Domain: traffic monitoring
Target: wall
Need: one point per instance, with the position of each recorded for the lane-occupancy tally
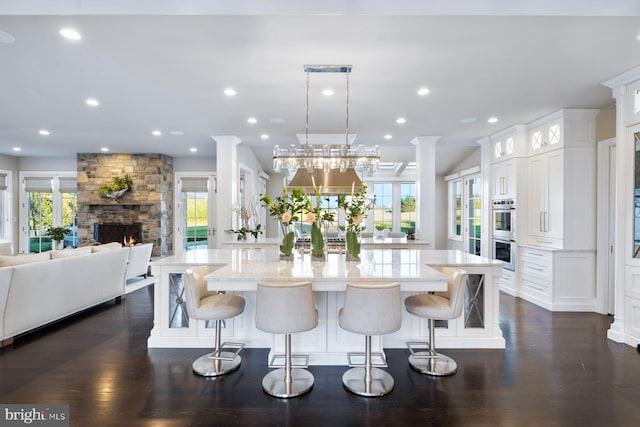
(11, 163)
(441, 214)
(150, 201)
(606, 123)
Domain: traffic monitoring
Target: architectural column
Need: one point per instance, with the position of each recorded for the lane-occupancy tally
(616, 332)
(426, 187)
(486, 155)
(227, 176)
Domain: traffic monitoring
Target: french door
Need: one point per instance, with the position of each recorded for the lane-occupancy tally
(195, 217)
(473, 214)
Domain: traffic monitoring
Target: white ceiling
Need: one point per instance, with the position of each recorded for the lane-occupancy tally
(169, 71)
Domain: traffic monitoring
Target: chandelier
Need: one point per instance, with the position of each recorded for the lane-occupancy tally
(333, 166)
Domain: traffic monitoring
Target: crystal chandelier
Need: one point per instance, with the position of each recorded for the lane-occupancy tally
(327, 162)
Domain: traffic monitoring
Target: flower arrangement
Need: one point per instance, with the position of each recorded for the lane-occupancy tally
(118, 183)
(317, 216)
(247, 215)
(355, 208)
(287, 208)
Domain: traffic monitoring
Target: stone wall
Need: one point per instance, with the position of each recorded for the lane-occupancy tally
(150, 202)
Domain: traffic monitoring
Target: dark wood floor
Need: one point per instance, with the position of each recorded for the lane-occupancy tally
(558, 370)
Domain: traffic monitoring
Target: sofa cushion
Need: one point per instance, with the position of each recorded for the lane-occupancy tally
(70, 252)
(23, 259)
(106, 247)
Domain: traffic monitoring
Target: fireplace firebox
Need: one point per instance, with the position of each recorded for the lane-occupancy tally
(121, 233)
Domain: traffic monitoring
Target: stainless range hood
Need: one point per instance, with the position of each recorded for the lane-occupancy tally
(332, 182)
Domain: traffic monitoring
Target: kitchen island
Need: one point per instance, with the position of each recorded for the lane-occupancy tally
(239, 270)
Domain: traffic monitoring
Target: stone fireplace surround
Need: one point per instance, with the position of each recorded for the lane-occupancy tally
(150, 202)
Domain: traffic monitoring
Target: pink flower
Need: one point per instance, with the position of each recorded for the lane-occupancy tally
(357, 219)
(286, 217)
(311, 217)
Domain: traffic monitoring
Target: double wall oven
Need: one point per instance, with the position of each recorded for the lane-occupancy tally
(504, 236)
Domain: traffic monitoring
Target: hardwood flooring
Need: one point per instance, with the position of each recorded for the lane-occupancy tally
(558, 370)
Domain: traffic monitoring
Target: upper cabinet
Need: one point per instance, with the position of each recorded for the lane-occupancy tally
(561, 179)
(509, 143)
(504, 179)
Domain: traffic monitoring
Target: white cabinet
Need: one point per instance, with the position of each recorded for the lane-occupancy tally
(561, 182)
(504, 179)
(558, 280)
(546, 193)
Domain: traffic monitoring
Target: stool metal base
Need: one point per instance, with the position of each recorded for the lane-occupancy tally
(274, 384)
(206, 366)
(381, 382)
(439, 366)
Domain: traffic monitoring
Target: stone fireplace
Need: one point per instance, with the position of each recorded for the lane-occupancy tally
(149, 204)
(127, 234)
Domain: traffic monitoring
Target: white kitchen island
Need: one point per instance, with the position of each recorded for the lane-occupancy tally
(239, 270)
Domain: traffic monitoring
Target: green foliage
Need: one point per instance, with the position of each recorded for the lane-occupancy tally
(317, 241)
(355, 208)
(408, 204)
(117, 183)
(288, 207)
(380, 226)
(58, 233)
(242, 232)
(353, 245)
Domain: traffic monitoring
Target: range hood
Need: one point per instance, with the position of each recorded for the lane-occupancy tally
(332, 182)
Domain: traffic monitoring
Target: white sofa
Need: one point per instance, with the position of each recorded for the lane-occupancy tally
(139, 258)
(33, 294)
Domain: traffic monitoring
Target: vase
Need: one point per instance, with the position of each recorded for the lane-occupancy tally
(288, 241)
(353, 246)
(317, 243)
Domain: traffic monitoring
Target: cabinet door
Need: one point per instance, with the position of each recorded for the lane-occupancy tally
(504, 180)
(537, 194)
(554, 216)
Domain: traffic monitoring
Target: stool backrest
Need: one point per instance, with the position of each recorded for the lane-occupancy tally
(195, 287)
(456, 287)
(371, 308)
(285, 308)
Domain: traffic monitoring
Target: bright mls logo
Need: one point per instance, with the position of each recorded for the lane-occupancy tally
(37, 415)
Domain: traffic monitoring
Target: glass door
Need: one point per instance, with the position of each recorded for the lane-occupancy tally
(195, 213)
(473, 229)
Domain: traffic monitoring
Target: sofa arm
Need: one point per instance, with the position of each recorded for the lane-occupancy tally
(139, 258)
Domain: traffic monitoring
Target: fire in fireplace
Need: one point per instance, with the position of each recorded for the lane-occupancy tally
(127, 234)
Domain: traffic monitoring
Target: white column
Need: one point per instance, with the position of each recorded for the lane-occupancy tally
(426, 187)
(227, 175)
(486, 155)
(616, 332)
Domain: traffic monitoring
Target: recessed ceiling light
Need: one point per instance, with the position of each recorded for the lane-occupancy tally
(92, 102)
(193, 149)
(276, 120)
(44, 132)
(468, 120)
(327, 92)
(388, 136)
(104, 149)
(423, 91)
(401, 120)
(176, 132)
(17, 149)
(70, 34)
(264, 136)
(229, 92)
(252, 120)
(492, 120)
(156, 132)
(6, 38)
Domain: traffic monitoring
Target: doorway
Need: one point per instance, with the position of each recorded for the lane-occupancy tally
(195, 212)
(605, 211)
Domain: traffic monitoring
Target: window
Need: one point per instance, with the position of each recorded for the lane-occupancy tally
(195, 202)
(383, 206)
(47, 201)
(407, 207)
(455, 210)
(5, 203)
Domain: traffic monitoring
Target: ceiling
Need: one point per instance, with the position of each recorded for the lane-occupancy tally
(168, 72)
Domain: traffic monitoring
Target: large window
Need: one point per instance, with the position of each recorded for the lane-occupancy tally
(49, 201)
(394, 206)
(455, 210)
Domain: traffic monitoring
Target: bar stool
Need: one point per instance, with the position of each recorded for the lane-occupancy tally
(210, 305)
(370, 309)
(286, 308)
(438, 306)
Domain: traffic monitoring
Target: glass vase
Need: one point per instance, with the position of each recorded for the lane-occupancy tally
(288, 241)
(353, 246)
(317, 243)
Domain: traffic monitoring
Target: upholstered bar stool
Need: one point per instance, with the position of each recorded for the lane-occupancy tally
(437, 306)
(370, 309)
(286, 308)
(210, 305)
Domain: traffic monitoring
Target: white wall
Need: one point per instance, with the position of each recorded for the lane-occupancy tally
(194, 164)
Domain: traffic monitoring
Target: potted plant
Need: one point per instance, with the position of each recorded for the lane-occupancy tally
(57, 235)
(118, 186)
